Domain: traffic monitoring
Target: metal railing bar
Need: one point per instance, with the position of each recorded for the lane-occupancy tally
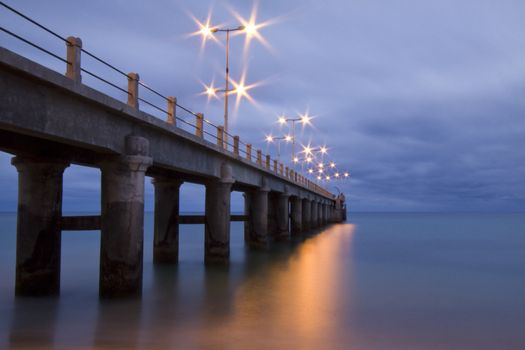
(186, 109)
(32, 21)
(103, 62)
(152, 105)
(150, 89)
(104, 80)
(186, 122)
(34, 45)
(210, 134)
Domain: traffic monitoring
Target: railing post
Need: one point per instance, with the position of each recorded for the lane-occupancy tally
(259, 157)
(133, 90)
(172, 106)
(220, 136)
(275, 167)
(199, 131)
(287, 173)
(268, 161)
(249, 152)
(236, 145)
(281, 166)
(74, 49)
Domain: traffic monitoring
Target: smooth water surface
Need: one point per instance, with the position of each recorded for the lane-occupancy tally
(381, 281)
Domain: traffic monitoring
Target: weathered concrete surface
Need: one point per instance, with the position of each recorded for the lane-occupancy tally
(122, 234)
(217, 211)
(43, 105)
(283, 217)
(166, 225)
(38, 225)
(296, 216)
(306, 213)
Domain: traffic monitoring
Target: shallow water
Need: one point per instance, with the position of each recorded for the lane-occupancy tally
(381, 281)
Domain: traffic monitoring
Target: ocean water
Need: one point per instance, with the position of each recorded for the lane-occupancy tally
(380, 281)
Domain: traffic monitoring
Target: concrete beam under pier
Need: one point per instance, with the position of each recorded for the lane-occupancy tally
(80, 223)
(201, 219)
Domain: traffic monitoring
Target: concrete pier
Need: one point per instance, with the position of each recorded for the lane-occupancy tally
(217, 222)
(122, 233)
(306, 213)
(256, 234)
(283, 216)
(38, 240)
(296, 216)
(45, 112)
(166, 226)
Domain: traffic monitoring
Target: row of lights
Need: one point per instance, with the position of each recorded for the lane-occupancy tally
(250, 29)
(310, 155)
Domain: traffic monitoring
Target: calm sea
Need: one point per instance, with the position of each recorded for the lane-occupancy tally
(381, 281)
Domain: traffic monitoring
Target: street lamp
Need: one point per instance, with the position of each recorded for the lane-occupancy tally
(226, 90)
(305, 120)
(271, 139)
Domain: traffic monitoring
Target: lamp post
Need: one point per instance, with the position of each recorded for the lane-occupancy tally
(305, 120)
(226, 90)
(271, 138)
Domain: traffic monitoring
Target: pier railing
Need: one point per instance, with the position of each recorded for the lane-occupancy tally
(173, 112)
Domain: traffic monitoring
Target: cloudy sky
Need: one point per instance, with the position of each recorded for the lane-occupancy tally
(421, 100)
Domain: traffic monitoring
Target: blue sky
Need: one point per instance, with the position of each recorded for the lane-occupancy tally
(422, 101)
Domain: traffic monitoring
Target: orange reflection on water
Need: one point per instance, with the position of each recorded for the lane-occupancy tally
(294, 301)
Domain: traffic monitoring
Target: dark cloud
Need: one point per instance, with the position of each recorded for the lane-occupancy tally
(421, 100)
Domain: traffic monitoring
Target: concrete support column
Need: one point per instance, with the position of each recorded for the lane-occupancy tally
(256, 235)
(307, 214)
(323, 214)
(283, 216)
(313, 213)
(272, 214)
(166, 227)
(217, 221)
(297, 216)
(319, 214)
(38, 238)
(122, 233)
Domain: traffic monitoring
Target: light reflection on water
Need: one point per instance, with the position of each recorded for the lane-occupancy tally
(383, 282)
